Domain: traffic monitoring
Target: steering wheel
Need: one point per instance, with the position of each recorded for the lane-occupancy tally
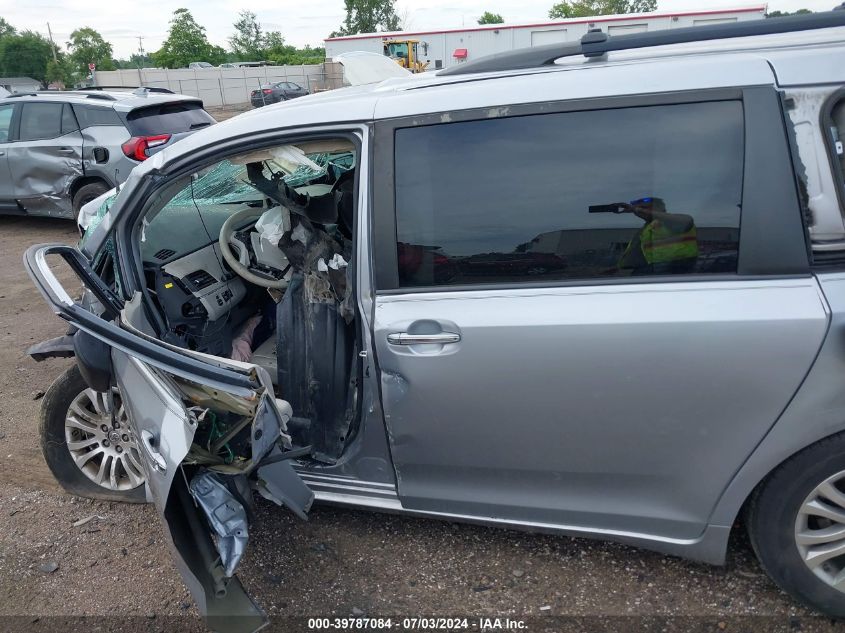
(244, 272)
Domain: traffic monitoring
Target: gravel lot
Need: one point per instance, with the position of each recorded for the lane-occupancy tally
(340, 562)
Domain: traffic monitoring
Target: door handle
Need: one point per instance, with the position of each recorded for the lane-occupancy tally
(148, 444)
(406, 338)
(65, 150)
(2, 153)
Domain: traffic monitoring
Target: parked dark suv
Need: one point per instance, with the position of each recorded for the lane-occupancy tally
(60, 150)
(273, 93)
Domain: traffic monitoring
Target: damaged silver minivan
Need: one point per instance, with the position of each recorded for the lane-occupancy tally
(595, 288)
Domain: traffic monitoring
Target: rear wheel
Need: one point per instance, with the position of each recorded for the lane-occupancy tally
(90, 454)
(86, 194)
(797, 526)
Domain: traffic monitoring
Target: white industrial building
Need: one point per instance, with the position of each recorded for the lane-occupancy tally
(448, 47)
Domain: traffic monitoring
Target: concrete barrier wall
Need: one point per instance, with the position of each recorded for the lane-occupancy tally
(225, 86)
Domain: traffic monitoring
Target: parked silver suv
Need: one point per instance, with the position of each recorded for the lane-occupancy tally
(595, 288)
(60, 150)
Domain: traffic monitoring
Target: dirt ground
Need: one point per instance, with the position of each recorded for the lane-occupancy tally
(340, 563)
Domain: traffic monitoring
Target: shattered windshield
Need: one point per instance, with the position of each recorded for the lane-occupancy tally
(193, 216)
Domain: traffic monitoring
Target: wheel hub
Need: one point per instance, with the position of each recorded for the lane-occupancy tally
(100, 443)
(820, 531)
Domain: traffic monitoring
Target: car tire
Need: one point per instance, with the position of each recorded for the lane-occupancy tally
(68, 390)
(86, 194)
(783, 522)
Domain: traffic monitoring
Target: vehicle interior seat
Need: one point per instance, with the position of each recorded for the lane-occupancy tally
(265, 356)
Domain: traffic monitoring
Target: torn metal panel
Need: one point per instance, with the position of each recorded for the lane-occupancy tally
(221, 600)
(267, 426)
(225, 514)
(279, 482)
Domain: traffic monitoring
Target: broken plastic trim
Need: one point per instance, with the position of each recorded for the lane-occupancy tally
(225, 514)
(279, 482)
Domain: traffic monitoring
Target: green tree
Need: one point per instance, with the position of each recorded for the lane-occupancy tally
(6, 28)
(369, 16)
(87, 46)
(25, 55)
(248, 42)
(186, 42)
(276, 51)
(589, 8)
(135, 61)
(61, 71)
(217, 55)
(491, 18)
(783, 14)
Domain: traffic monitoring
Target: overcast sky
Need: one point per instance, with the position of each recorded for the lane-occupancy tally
(300, 21)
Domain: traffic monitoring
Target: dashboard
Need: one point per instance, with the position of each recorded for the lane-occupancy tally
(202, 273)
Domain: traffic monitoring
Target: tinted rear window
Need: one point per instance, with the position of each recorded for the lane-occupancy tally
(168, 118)
(580, 195)
(89, 116)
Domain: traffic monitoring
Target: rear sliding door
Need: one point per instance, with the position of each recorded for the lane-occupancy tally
(551, 357)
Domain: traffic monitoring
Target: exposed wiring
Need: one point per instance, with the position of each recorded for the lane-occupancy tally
(215, 434)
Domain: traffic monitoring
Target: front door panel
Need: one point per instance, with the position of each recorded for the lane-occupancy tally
(46, 158)
(169, 395)
(616, 407)
(163, 428)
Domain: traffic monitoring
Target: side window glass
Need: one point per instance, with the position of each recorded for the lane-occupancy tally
(68, 120)
(5, 121)
(580, 195)
(89, 116)
(40, 121)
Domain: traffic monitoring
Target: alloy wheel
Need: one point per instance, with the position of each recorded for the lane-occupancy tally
(820, 531)
(104, 450)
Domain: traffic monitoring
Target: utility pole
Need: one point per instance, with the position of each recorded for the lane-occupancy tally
(52, 43)
(140, 59)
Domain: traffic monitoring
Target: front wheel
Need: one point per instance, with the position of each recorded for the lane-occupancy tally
(796, 522)
(90, 452)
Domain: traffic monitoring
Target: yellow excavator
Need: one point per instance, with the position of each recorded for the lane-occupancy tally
(405, 53)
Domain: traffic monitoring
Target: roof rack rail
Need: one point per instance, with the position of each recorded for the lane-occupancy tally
(596, 43)
(134, 89)
(48, 93)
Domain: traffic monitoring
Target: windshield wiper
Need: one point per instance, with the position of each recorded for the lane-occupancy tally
(196, 126)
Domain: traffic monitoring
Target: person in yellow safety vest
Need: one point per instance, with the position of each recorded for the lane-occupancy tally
(667, 243)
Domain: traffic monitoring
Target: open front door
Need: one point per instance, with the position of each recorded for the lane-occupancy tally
(209, 431)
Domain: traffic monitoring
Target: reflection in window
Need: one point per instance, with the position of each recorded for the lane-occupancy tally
(608, 193)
